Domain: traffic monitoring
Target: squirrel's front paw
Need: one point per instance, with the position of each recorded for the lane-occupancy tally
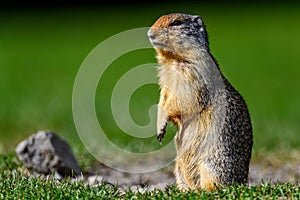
(162, 132)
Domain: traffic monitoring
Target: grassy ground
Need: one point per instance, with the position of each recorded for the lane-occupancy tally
(14, 185)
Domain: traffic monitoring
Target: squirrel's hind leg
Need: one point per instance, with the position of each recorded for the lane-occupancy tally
(180, 180)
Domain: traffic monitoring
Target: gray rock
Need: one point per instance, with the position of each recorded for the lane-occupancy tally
(46, 153)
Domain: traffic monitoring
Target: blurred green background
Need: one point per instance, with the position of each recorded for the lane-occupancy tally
(41, 50)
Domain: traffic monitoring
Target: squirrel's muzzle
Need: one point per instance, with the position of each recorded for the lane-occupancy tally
(150, 34)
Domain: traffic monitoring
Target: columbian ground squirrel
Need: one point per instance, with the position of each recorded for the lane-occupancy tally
(214, 137)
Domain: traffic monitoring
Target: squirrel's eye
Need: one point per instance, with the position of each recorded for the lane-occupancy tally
(176, 23)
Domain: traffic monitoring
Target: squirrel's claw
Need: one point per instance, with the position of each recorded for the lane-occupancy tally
(160, 136)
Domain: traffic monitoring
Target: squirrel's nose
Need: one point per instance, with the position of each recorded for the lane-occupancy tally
(151, 34)
(152, 37)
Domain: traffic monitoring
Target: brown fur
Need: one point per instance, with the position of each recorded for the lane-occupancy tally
(214, 137)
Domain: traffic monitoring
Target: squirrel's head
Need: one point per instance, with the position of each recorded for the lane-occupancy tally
(179, 35)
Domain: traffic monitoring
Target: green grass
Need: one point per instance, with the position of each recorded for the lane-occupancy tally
(41, 51)
(15, 185)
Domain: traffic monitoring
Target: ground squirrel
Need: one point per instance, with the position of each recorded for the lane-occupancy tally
(214, 137)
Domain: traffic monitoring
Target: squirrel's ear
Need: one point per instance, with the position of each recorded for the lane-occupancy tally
(198, 23)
